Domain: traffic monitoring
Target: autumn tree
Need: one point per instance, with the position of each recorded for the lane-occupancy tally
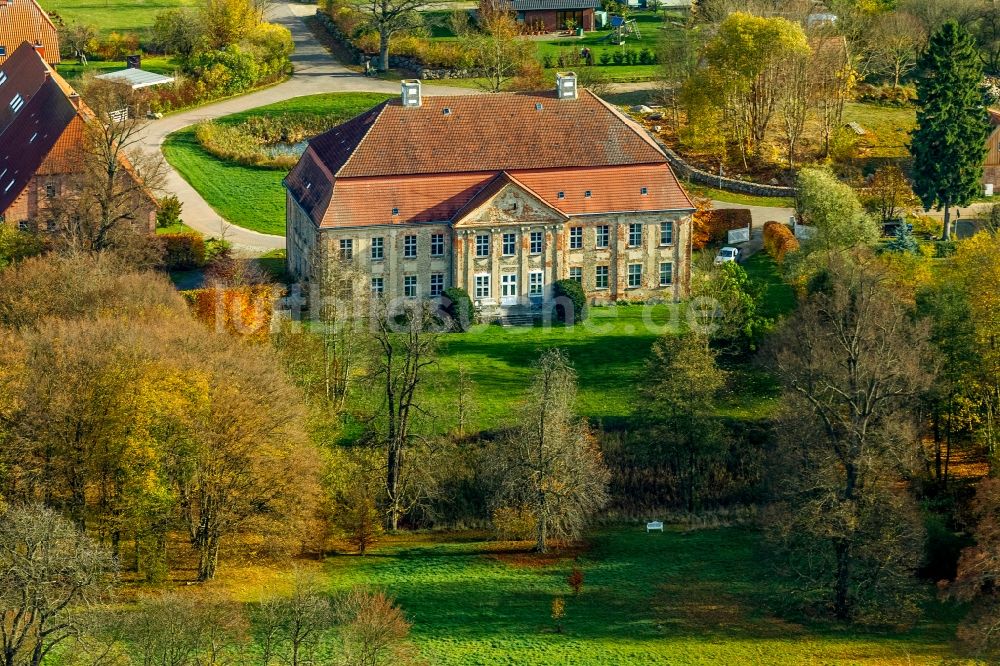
(226, 22)
(683, 384)
(497, 52)
(373, 630)
(549, 462)
(844, 522)
(743, 73)
(388, 17)
(49, 571)
(949, 142)
(888, 194)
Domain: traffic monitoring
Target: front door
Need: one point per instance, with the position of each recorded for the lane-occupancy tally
(508, 289)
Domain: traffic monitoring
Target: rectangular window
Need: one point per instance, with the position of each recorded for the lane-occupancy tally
(50, 191)
(50, 225)
(378, 248)
(16, 103)
(509, 245)
(23, 225)
(483, 286)
(575, 238)
(535, 242)
(634, 234)
(535, 281)
(410, 286)
(437, 245)
(602, 233)
(634, 275)
(346, 248)
(666, 274)
(409, 247)
(482, 245)
(437, 284)
(666, 233)
(378, 286)
(576, 274)
(600, 277)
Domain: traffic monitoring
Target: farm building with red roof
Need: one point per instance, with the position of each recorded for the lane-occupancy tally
(501, 195)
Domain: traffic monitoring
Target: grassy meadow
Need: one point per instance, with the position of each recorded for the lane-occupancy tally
(114, 15)
(253, 197)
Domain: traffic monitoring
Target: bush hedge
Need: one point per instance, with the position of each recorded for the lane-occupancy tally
(183, 252)
(779, 240)
(571, 302)
(456, 303)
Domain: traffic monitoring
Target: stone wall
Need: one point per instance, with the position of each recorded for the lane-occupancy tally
(408, 63)
(685, 171)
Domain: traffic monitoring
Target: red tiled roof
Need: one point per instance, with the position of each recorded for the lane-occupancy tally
(494, 187)
(428, 165)
(994, 117)
(484, 133)
(25, 21)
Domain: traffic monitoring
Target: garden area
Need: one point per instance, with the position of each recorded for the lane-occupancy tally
(121, 16)
(253, 196)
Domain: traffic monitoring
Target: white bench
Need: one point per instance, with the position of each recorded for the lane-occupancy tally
(655, 525)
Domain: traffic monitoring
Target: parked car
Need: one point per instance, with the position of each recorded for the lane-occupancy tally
(727, 254)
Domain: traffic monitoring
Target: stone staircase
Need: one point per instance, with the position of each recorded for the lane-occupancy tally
(519, 318)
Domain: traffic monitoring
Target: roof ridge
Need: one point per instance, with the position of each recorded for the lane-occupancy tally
(381, 109)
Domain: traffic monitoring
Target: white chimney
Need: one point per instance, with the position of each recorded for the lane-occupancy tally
(411, 92)
(566, 85)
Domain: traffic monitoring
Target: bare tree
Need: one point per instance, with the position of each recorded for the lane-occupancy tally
(497, 52)
(292, 626)
(405, 342)
(373, 630)
(387, 17)
(111, 196)
(48, 571)
(852, 363)
(550, 462)
(795, 99)
(897, 41)
(831, 77)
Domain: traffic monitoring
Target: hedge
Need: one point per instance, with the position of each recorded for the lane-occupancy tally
(571, 302)
(456, 303)
(714, 224)
(182, 252)
(779, 240)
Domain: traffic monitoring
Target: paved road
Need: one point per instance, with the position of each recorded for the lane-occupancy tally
(315, 71)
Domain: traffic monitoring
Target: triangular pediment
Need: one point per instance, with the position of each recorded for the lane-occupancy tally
(505, 201)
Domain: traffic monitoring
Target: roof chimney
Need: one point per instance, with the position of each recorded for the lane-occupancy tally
(38, 47)
(74, 99)
(566, 85)
(411, 92)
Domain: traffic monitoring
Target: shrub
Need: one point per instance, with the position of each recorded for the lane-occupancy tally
(604, 58)
(645, 57)
(717, 222)
(216, 248)
(513, 523)
(618, 57)
(183, 252)
(779, 240)
(571, 302)
(885, 94)
(169, 212)
(456, 303)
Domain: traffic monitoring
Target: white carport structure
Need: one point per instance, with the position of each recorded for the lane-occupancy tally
(138, 78)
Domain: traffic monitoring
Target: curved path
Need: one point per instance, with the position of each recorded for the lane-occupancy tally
(315, 71)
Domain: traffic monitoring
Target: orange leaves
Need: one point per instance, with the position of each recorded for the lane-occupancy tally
(244, 312)
(779, 240)
(710, 225)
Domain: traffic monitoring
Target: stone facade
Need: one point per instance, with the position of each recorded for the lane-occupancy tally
(508, 253)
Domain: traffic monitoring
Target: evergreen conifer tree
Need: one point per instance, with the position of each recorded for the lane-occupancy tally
(949, 144)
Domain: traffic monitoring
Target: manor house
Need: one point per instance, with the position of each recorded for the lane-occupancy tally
(501, 195)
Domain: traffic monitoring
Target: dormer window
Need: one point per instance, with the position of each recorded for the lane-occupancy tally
(446, 111)
(3, 51)
(16, 103)
(3, 77)
(538, 106)
(587, 194)
(561, 195)
(395, 211)
(644, 191)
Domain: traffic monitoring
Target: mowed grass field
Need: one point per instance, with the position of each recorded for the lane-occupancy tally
(253, 197)
(114, 15)
(681, 597)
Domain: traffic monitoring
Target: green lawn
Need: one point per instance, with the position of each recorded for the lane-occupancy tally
(702, 597)
(247, 196)
(737, 198)
(888, 128)
(114, 15)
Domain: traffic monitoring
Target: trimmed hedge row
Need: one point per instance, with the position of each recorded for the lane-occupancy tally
(779, 240)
